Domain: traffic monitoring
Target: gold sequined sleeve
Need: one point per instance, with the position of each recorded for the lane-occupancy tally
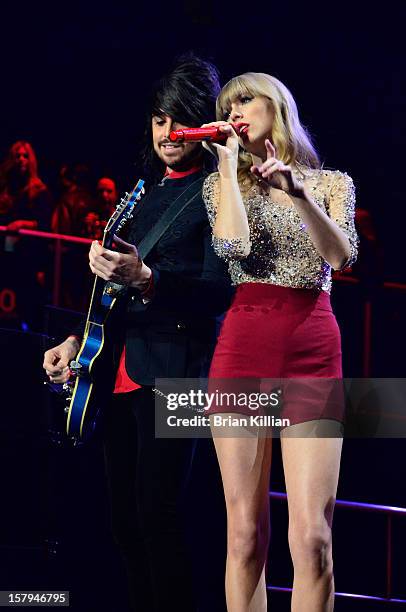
(229, 249)
(341, 208)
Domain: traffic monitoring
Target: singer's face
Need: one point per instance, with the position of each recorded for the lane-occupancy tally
(176, 156)
(257, 111)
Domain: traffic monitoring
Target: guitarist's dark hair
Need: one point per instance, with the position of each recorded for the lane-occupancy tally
(187, 94)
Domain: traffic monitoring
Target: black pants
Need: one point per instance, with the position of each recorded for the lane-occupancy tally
(147, 478)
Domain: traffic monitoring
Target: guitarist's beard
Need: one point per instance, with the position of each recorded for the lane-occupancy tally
(191, 158)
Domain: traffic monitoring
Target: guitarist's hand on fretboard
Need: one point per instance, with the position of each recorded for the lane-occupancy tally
(57, 359)
(122, 266)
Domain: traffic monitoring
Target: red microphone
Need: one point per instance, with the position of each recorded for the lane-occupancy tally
(211, 133)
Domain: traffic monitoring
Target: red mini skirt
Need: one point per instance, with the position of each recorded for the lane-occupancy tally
(285, 334)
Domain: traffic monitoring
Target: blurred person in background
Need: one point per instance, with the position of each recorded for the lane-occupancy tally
(74, 202)
(25, 201)
(25, 204)
(103, 207)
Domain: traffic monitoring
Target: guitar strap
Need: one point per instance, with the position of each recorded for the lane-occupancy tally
(170, 215)
(111, 290)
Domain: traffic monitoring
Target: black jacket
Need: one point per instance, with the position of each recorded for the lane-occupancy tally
(174, 334)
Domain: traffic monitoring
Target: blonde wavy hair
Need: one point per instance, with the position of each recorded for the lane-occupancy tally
(33, 183)
(290, 138)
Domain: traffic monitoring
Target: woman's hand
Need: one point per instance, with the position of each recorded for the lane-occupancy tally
(277, 174)
(227, 154)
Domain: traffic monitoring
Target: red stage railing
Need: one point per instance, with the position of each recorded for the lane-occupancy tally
(58, 240)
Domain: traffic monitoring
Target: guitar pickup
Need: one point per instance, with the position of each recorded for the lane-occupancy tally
(76, 368)
(112, 289)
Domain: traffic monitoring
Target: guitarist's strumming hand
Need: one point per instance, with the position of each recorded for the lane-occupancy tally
(122, 266)
(57, 359)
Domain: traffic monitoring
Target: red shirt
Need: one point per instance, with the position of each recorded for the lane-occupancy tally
(124, 384)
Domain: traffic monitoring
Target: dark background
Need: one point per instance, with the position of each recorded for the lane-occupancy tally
(74, 78)
(75, 74)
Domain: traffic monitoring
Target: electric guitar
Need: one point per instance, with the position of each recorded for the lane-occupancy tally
(92, 367)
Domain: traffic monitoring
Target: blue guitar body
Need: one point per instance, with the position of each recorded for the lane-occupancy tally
(93, 365)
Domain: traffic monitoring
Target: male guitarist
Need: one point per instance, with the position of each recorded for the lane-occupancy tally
(168, 329)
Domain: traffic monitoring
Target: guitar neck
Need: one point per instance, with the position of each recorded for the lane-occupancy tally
(108, 239)
(104, 292)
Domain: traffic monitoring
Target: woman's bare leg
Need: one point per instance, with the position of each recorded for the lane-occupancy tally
(311, 466)
(245, 464)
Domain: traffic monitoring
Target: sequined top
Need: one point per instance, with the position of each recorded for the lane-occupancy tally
(282, 252)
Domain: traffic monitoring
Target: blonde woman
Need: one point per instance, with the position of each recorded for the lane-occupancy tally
(282, 222)
(25, 202)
